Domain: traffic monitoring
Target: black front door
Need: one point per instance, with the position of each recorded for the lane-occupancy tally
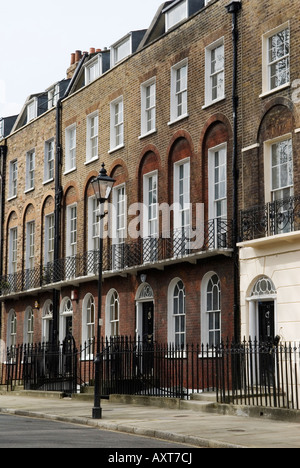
(148, 332)
(266, 321)
(266, 336)
(148, 322)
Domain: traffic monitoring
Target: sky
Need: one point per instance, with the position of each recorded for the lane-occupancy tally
(38, 37)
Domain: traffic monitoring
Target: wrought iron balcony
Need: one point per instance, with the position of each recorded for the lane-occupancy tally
(213, 237)
(278, 217)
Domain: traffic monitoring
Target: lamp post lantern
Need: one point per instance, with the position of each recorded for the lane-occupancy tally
(102, 186)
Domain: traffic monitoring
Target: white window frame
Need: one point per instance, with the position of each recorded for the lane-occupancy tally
(182, 199)
(118, 53)
(93, 224)
(266, 64)
(268, 145)
(47, 321)
(13, 251)
(116, 124)
(88, 325)
(212, 183)
(71, 232)
(12, 329)
(32, 109)
(92, 137)
(29, 326)
(205, 312)
(93, 69)
(30, 245)
(148, 108)
(176, 14)
(70, 164)
(172, 316)
(49, 239)
(179, 92)
(119, 225)
(13, 179)
(210, 75)
(30, 171)
(49, 161)
(112, 320)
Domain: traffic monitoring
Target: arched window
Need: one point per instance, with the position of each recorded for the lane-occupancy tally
(177, 314)
(211, 310)
(214, 310)
(47, 321)
(12, 329)
(88, 319)
(29, 326)
(112, 314)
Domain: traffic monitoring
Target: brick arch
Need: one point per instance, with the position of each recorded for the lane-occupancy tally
(29, 212)
(278, 119)
(149, 161)
(276, 106)
(119, 172)
(71, 193)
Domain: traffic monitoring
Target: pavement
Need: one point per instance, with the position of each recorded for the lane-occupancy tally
(191, 423)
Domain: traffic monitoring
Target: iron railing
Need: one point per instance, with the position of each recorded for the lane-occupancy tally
(248, 373)
(278, 217)
(263, 374)
(176, 245)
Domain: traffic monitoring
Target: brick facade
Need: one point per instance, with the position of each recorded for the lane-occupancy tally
(261, 117)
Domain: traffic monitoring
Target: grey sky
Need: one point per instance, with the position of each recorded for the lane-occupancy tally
(38, 37)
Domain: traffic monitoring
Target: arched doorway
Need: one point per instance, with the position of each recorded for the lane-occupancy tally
(262, 310)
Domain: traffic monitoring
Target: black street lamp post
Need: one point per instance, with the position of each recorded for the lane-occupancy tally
(102, 186)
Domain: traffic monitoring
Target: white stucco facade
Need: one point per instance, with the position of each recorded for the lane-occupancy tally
(276, 258)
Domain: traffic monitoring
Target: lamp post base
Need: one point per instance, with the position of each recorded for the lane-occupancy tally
(97, 413)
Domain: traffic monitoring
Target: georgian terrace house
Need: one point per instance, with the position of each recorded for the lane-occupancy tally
(156, 108)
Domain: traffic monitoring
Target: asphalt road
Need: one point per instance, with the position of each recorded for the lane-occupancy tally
(21, 432)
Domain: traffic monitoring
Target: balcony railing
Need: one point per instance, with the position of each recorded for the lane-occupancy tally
(278, 217)
(179, 245)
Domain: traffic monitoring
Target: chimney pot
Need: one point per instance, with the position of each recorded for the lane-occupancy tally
(78, 55)
(98, 50)
(92, 50)
(72, 58)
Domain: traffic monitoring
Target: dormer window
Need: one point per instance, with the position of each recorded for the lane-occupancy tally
(32, 110)
(121, 50)
(176, 14)
(53, 96)
(93, 70)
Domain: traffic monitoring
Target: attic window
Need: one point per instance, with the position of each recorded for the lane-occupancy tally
(121, 50)
(31, 110)
(176, 14)
(92, 70)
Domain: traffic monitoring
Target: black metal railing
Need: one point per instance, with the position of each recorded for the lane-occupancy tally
(254, 373)
(263, 374)
(177, 244)
(278, 217)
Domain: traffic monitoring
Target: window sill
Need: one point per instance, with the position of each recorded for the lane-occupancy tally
(116, 149)
(178, 119)
(95, 158)
(147, 134)
(69, 171)
(48, 181)
(211, 103)
(275, 90)
(12, 198)
(29, 190)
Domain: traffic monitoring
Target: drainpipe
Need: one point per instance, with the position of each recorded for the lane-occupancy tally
(58, 198)
(233, 8)
(3, 153)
